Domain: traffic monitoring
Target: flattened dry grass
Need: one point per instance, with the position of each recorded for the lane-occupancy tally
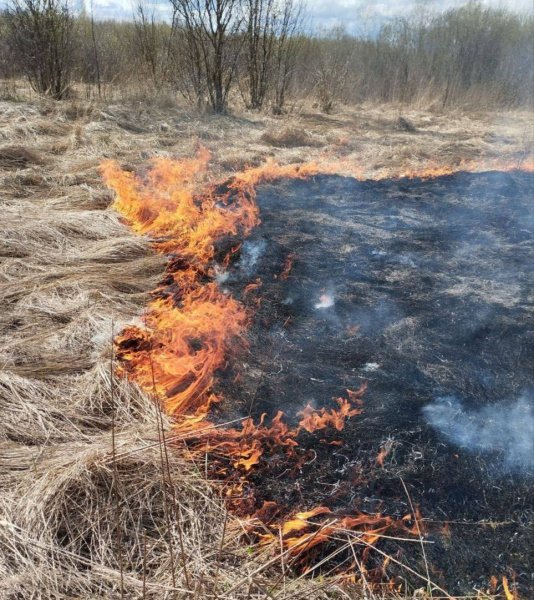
(74, 522)
(17, 157)
(289, 137)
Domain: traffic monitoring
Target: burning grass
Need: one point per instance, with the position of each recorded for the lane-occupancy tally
(72, 278)
(192, 329)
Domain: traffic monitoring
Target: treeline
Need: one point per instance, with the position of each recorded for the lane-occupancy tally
(220, 52)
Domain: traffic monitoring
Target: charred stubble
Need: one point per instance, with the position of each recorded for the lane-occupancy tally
(422, 288)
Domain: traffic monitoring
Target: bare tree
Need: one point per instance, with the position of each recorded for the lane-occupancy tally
(42, 38)
(332, 71)
(259, 48)
(154, 41)
(95, 52)
(212, 45)
(286, 27)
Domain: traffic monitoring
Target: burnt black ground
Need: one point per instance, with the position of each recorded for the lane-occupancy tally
(438, 277)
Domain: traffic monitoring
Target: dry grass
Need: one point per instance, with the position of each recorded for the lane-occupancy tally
(289, 137)
(17, 157)
(71, 275)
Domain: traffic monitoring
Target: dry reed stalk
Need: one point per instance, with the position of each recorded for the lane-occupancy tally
(115, 479)
(429, 585)
(161, 443)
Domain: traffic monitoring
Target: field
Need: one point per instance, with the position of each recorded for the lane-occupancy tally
(90, 505)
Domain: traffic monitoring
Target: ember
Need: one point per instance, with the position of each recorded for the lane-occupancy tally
(274, 349)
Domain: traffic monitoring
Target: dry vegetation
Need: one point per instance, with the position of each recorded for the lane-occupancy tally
(221, 54)
(74, 522)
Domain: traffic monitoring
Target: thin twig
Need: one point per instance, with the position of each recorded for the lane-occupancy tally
(221, 545)
(276, 558)
(175, 506)
(180, 437)
(115, 472)
(159, 425)
(429, 587)
(409, 569)
(144, 564)
(177, 512)
(282, 564)
(366, 587)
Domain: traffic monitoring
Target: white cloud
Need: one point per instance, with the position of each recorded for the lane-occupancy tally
(357, 16)
(361, 16)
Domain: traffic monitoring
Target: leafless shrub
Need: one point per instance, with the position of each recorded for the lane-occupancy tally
(154, 42)
(259, 46)
(335, 52)
(287, 41)
(211, 47)
(469, 56)
(107, 52)
(42, 36)
(270, 26)
(8, 70)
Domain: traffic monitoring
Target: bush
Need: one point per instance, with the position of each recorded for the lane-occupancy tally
(42, 39)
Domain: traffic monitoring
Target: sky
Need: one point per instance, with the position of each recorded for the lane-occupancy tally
(357, 16)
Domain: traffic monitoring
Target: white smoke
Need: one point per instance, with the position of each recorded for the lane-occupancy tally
(221, 275)
(370, 367)
(507, 428)
(250, 254)
(325, 301)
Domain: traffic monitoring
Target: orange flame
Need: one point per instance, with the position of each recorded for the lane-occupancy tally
(428, 171)
(187, 334)
(314, 420)
(191, 327)
(510, 594)
(381, 456)
(251, 287)
(288, 265)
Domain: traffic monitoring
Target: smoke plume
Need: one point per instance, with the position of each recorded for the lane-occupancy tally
(506, 428)
(251, 252)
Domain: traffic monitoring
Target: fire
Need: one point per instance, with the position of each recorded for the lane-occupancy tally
(191, 329)
(472, 166)
(314, 420)
(288, 266)
(164, 204)
(381, 456)
(510, 594)
(370, 529)
(251, 287)
(178, 351)
(300, 520)
(427, 171)
(190, 325)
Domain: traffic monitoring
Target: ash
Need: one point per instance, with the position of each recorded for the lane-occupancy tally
(424, 289)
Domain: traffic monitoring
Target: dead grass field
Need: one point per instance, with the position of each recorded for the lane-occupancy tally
(71, 275)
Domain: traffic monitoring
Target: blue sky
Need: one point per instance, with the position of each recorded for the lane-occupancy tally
(358, 16)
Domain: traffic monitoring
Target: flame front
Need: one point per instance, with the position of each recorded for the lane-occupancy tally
(190, 324)
(191, 329)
